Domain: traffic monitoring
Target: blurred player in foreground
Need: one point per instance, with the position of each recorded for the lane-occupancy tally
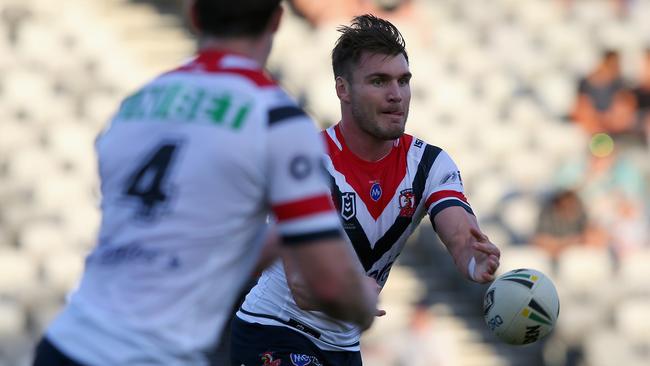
(383, 183)
(191, 166)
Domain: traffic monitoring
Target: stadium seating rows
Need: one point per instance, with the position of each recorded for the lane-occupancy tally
(496, 103)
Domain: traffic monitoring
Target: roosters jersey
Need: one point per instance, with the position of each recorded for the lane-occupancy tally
(191, 166)
(380, 204)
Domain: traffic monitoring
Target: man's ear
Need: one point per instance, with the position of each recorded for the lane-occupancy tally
(190, 12)
(343, 89)
(274, 23)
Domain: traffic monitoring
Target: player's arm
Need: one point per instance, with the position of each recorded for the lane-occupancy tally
(474, 255)
(320, 285)
(270, 251)
(301, 293)
(453, 219)
(307, 222)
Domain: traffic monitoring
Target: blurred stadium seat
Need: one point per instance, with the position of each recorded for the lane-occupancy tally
(586, 272)
(633, 274)
(633, 322)
(525, 256)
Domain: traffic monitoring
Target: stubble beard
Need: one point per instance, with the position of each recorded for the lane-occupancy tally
(372, 127)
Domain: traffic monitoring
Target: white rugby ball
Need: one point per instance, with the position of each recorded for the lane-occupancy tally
(521, 306)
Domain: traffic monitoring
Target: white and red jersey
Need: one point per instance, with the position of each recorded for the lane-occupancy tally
(191, 167)
(380, 204)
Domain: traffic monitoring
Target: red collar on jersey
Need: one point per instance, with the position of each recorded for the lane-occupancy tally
(210, 61)
(388, 172)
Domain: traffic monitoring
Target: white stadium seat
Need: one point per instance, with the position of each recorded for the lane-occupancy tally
(525, 256)
(39, 240)
(633, 274)
(632, 318)
(587, 273)
(606, 347)
(18, 273)
(62, 271)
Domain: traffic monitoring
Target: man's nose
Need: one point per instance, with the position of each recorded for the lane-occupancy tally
(394, 92)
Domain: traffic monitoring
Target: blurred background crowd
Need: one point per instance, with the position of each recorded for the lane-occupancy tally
(543, 104)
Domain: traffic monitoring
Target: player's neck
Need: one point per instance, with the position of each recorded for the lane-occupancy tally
(255, 49)
(363, 145)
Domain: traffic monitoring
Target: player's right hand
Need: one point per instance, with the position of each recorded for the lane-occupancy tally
(373, 284)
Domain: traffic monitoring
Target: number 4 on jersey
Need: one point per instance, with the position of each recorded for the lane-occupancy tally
(148, 182)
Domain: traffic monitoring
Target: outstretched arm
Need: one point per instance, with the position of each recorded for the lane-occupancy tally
(474, 255)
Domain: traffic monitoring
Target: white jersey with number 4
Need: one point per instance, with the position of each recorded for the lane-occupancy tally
(380, 204)
(191, 166)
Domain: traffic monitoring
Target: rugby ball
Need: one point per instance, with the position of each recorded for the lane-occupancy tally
(521, 306)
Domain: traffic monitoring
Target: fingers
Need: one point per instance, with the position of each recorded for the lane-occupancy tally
(487, 248)
(487, 277)
(488, 269)
(478, 235)
(492, 264)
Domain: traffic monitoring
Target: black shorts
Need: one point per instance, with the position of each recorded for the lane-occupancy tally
(48, 355)
(257, 344)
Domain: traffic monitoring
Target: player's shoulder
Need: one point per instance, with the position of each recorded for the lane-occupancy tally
(332, 140)
(217, 63)
(420, 147)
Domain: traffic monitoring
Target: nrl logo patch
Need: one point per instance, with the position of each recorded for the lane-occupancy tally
(348, 205)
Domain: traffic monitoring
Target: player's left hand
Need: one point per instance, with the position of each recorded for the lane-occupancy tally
(487, 257)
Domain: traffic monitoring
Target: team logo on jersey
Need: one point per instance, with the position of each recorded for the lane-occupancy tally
(304, 360)
(267, 358)
(406, 203)
(375, 191)
(348, 205)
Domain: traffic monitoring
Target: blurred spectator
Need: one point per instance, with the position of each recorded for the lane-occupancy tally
(603, 103)
(621, 8)
(317, 12)
(564, 222)
(628, 227)
(642, 95)
(614, 190)
(424, 343)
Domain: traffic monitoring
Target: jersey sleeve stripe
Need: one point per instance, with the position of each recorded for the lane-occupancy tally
(284, 113)
(446, 204)
(297, 239)
(301, 208)
(437, 196)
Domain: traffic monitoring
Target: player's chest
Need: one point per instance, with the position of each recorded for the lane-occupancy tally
(374, 195)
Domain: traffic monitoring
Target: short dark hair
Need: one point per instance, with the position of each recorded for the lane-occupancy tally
(227, 18)
(367, 33)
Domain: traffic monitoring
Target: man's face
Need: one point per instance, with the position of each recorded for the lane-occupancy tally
(380, 95)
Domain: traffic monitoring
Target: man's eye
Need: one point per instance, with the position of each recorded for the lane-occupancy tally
(377, 82)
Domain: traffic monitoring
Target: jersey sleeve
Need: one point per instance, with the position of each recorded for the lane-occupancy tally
(299, 196)
(445, 187)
